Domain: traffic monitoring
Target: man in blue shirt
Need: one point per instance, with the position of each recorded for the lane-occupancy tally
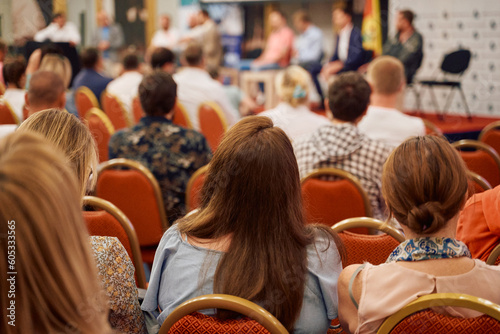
(89, 76)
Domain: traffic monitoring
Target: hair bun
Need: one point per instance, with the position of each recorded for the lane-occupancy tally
(426, 218)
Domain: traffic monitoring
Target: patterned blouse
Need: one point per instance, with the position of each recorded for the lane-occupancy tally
(116, 272)
(172, 153)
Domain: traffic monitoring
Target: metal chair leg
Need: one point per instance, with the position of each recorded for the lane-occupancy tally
(435, 103)
(449, 99)
(467, 110)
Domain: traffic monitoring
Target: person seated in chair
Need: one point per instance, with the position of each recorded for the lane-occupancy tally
(90, 76)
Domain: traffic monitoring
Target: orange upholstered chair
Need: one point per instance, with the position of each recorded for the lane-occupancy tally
(374, 249)
(181, 116)
(431, 128)
(328, 202)
(183, 320)
(110, 221)
(483, 160)
(115, 111)
(490, 135)
(494, 257)
(193, 188)
(137, 109)
(213, 123)
(477, 183)
(2, 88)
(136, 192)
(418, 317)
(7, 114)
(84, 101)
(101, 128)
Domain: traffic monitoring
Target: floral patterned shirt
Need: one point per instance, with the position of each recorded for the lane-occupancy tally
(172, 153)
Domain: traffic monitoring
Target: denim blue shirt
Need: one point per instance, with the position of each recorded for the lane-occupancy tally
(180, 273)
(309, 45)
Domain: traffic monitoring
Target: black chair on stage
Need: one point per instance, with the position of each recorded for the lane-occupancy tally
(454, 63)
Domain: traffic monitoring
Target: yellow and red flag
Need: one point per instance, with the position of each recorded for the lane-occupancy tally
(371, 28)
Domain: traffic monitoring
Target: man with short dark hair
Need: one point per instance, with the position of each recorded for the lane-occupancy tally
(407, 45)
(196, 86)
(163, 59)
(341, 145)
(172, 153)
(89, 76)
(125, 87)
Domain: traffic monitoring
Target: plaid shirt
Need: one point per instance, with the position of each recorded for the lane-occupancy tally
(342, 146)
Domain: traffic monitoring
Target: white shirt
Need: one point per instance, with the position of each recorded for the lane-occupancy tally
(15, 98)
(68, 33)
(343, 47)
(390, 125)
(296, 122)
(194, 86)
(166, 39)
(126, 87)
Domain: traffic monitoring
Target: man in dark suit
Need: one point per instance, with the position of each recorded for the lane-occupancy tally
(348, 55)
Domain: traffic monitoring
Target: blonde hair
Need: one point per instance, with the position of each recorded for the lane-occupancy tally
(386, 74)
(58, 64)
(292, 85)
(72, 136)
(57, 289)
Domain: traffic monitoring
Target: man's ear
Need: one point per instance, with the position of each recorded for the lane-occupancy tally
(62, 100)
(328, 112)
(26, 101)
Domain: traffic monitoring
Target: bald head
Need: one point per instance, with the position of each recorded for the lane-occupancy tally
(386, 75)
(46, 90)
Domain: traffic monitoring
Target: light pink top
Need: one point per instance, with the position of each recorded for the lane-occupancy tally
(388, 287)
(277, 42)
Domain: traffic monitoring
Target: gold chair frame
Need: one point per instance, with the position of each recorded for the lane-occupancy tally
(495, 253)
(370, 223)
(120, 103)
(180, 107)
(218, 111)
(487, 128)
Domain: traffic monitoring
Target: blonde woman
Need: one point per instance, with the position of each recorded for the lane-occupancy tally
(292, 114)
(55, 288)
(115, 267)
(58, 64)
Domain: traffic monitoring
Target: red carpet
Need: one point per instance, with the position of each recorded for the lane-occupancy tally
(454, 124)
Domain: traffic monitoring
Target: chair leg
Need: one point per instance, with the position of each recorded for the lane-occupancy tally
(435, 103)
(467, 110)
(449, 99)
(416, 92)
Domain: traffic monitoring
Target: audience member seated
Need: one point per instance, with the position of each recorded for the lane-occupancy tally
(425, 197)
(46, 91)
(341, 145)
(108, 38)
(279, 45)
(89, 76)
(166, 36)
(3, 53)
(196, 86)
(59, 30)
(348, 54)
(251, 220)
(15, 80)
(479, 223)
(126, 86)
(383, 121)
(170, 152)
(407, 45)
(163, 59)
(56, 286)
(116, 270)
(292, 114)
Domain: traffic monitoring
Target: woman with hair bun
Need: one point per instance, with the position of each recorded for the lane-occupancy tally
(424, 183)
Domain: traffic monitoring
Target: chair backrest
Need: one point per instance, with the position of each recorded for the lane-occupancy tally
(226, 302)
(213, 123)
(7, 114)
(115, 111)
(328, 202)
(456, 62)
(101, 128)
(136, 192)
(137, 110)
(493, 258)
(84, 101)
(2, 88)
(193, 188)
(374, 249)
(181, 116)
(490, 135)
(110, 221)
(431, 128)
(477, 183)
(407, 320)
(483, 160)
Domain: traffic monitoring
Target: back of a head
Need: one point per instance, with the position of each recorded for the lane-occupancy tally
(69, 134)
(292, 85)
(424, 183)
(59, 65)
(130, 62)
(386, 75)
(348, 96)
(162, 56)
(193, 55)
(56, 287)
(158, 93)
(90, 58)
(45, 90)
(13, 72)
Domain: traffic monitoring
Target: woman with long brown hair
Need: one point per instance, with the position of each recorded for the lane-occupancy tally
(249, 237)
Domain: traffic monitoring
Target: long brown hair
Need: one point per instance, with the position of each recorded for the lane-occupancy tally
(424, 183)
(56, 287)
(252, 193)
